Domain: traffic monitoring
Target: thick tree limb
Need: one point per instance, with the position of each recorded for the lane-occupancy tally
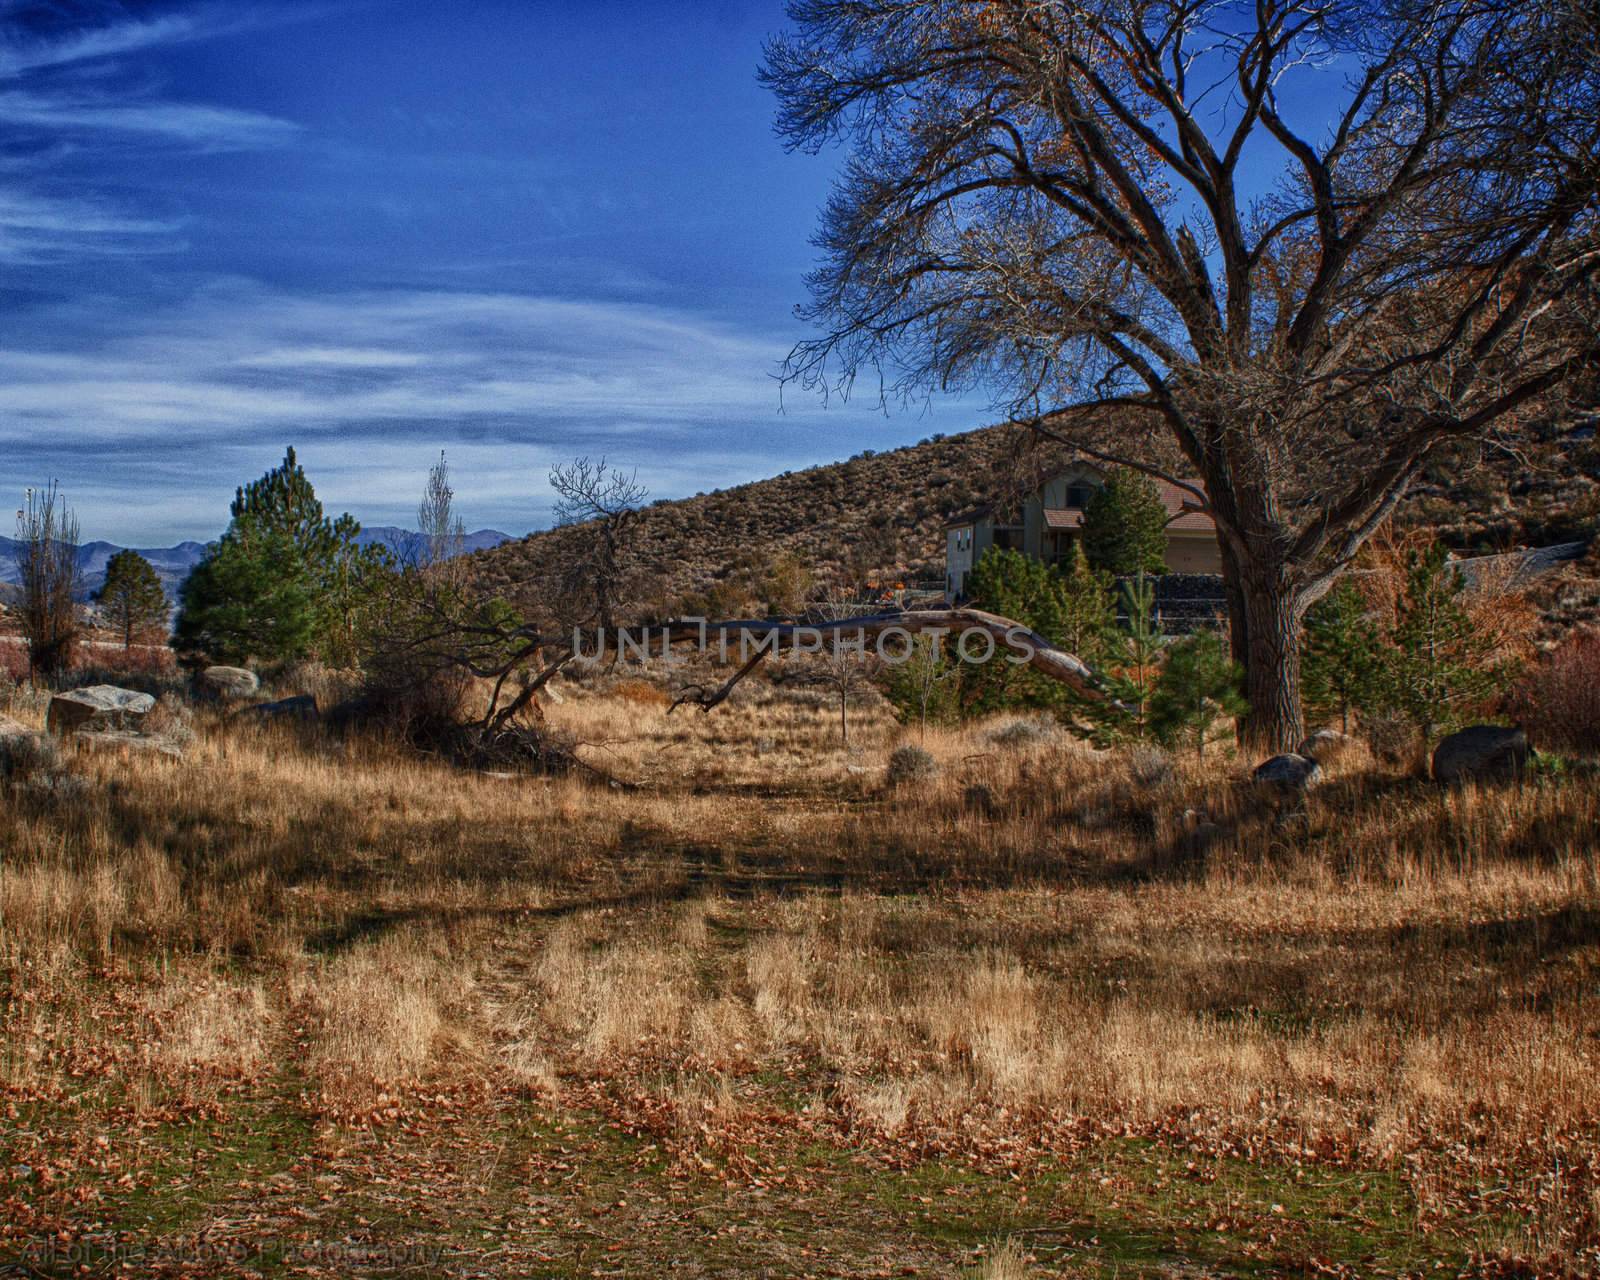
(1011, 642)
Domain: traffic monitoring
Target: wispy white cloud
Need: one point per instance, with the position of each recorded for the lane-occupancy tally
(194, 124)
(20, 54)
(245, 359)
(370, 385)
(70, 94)
(36, 229)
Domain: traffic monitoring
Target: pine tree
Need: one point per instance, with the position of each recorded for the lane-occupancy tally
(1199, 683)
(1132, 667)
(1125, 526)
(276, 586)
(1440, 664)
(352, 582)
(1018, 587)
(1088, 609)
(1341, 656)
(133, 597)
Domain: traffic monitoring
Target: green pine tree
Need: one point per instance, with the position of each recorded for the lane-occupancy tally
(1132, 667)
(354, 581)
(1088, 609)
(1199, 684)
(277, 585)
(1341, 656)
(1125, 526)
(1440, 665)
(134, 601)
(1023, 589)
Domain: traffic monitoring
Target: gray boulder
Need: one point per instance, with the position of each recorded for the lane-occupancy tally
(128, 741)
(228, 683)
(301, 707)
(1289, 772)
(1325, 744)
(98, 707)
(1482, 753)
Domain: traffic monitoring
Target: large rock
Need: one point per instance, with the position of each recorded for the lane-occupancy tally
(98, 707)
(1289, 772)
(301, 707)
(1326, 744)
(228, 683)
(129, 741)
(1482, 753)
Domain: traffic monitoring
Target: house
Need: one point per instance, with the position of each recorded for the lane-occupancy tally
(1051, 520)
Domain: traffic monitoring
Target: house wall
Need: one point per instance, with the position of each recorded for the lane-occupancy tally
(964, 546)
(1193, 552)
(1053, 495)
(1188, 551)
(957, 559)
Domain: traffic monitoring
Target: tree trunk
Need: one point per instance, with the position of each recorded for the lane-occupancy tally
(1272, 662)
(1238, 633)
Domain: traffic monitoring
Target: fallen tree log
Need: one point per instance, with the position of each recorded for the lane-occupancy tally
(1008, 641)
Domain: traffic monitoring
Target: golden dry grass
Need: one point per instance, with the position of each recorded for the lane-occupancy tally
(763, 939)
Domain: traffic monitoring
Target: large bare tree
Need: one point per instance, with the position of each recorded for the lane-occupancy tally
(1296, 247)
(599, 503)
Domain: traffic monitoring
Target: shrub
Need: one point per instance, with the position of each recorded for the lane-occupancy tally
(13, 662)
(153, 668)
(25, 757)
(1149, 766)
(1020, 735)
(910, 764)
(1558, 700)
(171, 717)
(642, 693)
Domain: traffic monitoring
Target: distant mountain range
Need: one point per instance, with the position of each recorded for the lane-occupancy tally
(173, 564)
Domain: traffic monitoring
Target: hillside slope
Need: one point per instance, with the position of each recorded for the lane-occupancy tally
(879, 516)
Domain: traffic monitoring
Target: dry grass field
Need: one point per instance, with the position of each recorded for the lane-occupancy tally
(299, 1005)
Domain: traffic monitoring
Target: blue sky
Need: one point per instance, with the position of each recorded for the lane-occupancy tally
(517, 231)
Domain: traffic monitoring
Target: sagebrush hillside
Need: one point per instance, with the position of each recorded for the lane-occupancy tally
(877, 517)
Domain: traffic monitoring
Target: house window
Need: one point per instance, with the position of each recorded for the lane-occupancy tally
(1078, 495)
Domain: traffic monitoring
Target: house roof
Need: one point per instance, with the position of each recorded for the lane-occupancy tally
(970, 516)
(1173, 499)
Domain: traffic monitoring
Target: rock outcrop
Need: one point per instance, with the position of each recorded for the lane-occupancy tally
(1289, 772)
(1482, 753)
(98, 708)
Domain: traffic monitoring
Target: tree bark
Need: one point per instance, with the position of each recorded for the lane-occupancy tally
(1271, 611)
